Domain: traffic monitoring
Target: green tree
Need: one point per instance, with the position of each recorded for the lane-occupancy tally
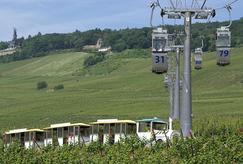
(42, 85)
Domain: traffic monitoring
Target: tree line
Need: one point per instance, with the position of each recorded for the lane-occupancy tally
(119, 40)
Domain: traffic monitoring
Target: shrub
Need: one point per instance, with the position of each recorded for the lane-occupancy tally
(92, 60)
(59, 87)
(203, 149)
(42, 85)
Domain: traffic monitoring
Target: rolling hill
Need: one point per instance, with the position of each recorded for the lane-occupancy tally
(120, 87)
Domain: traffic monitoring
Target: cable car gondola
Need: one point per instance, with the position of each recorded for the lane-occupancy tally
(198, 58)
(160, 41)
(223, 42)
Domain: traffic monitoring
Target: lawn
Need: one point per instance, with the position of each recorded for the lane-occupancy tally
(120, 87)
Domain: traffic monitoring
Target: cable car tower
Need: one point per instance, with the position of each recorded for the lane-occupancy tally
(190, 10)
(223, 42)
(176, 11)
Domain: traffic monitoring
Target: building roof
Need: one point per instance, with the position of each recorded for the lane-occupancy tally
(112, 121)
(155, 119)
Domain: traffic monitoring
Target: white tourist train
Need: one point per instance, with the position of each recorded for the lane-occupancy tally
(103, 131)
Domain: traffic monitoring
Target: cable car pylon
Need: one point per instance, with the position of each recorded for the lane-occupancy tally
(223, 43)
(188, 13)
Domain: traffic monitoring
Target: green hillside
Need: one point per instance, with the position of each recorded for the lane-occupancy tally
(120, 87)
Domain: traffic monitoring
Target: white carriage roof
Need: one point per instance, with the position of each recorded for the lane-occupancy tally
(62, 125)
(155, 120)
(35, 130)
(16, 131)
(112, 121)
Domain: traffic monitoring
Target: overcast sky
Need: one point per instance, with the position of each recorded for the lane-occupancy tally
(62, 16)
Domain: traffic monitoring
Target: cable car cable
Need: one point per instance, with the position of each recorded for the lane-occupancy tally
(172, 4)
(209, 18)
(197, 3)
(152, 15)
(192, 3)
(177, 3)
(229, 8)
(158, 3)
(233, 2)
(203, 4)
(227, 4)
(153, 6)
(202, 44)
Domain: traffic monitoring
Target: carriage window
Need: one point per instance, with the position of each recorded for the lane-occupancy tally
(82, 133)
(159, 43)
(198, 53)
(39, 136)
(26, 136)
(223, 40)
(159, 126)
(32, 137)
(86, 131)
(131, 129)
(7, 138)
(144, 127)
(65, 132)
(118, 128)
(59, 132)
(54, 132)
(71, 132)
(13, 136)
(22, 139)
(106, 128)
(76, 131)
(101, 128)
(198, 62)
(123, 128)
(112, 128)
(18, 136)
(171, 40)
(48, 134)
(95, 129)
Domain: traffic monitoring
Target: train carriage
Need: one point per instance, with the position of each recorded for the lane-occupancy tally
(111, 130)
(67, 133)
(155, 129)
(29, 138)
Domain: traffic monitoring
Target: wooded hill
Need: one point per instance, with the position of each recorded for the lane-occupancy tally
(119, 40)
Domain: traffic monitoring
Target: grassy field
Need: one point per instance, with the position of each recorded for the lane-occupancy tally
(120, 87)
